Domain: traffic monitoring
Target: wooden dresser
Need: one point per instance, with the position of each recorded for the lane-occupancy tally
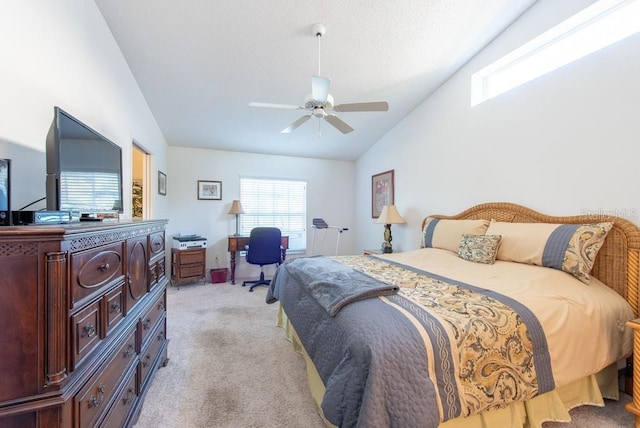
(82, 322)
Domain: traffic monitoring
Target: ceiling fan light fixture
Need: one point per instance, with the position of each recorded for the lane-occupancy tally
(310, 103)
(320, 101)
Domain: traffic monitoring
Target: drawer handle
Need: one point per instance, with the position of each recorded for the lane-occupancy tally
(160, 306)
(94, 401)
(160, 336)
(129, 398)
(146, 362)
(89, 330)
(146, 324)
(130, 351)
(116, 308)
(104, 267)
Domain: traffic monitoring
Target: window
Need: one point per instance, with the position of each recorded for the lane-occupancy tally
(277, 203)
(598, 26)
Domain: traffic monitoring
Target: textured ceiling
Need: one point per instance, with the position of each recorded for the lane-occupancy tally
(200, 62)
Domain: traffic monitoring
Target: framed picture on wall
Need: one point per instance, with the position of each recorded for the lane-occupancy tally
(381, 192)
(162, 183)
(210, 190)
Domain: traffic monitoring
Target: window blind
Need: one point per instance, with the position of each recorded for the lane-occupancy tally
(275, 203)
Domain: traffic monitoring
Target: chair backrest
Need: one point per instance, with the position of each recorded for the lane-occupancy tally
(264, 246)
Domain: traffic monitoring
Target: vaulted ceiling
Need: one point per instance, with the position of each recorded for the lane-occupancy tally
(200, 62)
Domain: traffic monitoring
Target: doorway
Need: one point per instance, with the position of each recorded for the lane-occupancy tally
(140, 207)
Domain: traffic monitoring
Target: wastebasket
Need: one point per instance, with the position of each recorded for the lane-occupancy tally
(218, 275)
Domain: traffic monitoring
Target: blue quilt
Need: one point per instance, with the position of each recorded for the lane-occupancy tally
(335, 285)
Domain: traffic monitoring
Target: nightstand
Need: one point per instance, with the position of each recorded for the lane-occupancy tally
(188, 265)
(634, 406)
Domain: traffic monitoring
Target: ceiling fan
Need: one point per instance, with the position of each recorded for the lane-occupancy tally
(319, 103)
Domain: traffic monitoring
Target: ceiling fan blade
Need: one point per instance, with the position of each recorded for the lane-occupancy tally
(372, 106)
(272, 105)
(295, 124)
(320, 88)
(338, 123)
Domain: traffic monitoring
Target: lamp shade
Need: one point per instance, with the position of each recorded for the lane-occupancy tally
(236, 207)
(390, 215)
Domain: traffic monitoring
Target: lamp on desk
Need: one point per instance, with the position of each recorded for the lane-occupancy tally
(236, 208)
(389, 216)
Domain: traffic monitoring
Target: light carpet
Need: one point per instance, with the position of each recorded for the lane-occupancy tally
(231, 367)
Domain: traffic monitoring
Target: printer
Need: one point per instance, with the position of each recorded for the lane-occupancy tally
(188, 242)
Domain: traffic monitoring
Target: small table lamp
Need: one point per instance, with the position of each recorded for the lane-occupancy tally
(389, 216)
(236, 208)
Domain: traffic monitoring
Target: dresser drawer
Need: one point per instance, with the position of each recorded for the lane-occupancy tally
(156, 244)
(93, 270)
(160, 269)
(153, 276)
(114, 307)
(122, 405)
(191, 271)
(151, 317)
(92, 400)
(187, 257)
(86, 332)
(158, 273)
(150, 353)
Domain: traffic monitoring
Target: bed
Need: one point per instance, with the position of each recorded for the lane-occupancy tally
(497, 320)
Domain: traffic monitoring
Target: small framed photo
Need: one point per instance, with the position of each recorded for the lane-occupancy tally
(162, 183)
(210, 190)
(381, 192)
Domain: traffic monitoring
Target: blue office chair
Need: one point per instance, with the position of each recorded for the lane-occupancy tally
(264, 249)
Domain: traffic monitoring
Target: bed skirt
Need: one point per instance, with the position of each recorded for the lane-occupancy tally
(551, 406)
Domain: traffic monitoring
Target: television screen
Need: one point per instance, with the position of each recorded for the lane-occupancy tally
(4, 184)
(5, 192)
(84, 169)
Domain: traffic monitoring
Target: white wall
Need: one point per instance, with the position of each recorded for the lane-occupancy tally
(564, 144)
(330, 194)
(61, 53)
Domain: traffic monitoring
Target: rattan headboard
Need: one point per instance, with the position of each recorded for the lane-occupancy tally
(618, 261)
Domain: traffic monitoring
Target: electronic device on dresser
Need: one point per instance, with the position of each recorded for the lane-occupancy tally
(25, 217)
(84, 169)
(83, 322)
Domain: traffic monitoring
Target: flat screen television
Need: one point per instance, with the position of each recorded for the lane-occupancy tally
(84, 169)
(5, 192)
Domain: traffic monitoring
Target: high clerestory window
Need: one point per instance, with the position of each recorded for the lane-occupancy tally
(598, 26)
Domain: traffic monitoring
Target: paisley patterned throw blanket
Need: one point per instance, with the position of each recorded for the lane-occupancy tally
(436, 350)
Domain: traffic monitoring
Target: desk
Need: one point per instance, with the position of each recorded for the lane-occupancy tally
(237, 243)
